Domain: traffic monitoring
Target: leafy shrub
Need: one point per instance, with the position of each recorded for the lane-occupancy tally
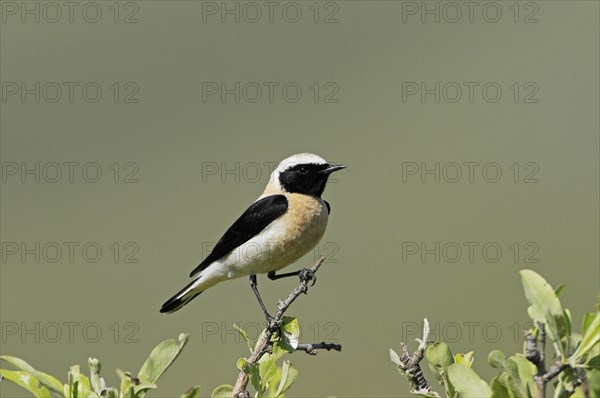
(576, 367)
(78, 385)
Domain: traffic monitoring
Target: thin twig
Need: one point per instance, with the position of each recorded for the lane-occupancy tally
(311, 349)
(265, 344)
(538, 358)
(554, 371)
(410, 363)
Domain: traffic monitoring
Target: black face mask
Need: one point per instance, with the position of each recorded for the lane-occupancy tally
(306, 178)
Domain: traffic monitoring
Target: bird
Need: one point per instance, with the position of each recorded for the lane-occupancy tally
(281, 226)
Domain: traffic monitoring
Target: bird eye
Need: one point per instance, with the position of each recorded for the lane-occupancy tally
(302, 170)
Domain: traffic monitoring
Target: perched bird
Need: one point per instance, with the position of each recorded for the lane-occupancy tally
(284, 224)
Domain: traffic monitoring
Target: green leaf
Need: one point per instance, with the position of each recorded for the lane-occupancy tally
(290, 334)
(559, 289)
(45, 379)
(545, 307)
(467, 383)
(439, 355)
(79, 384)
(254, 376)
(223, 391)
(518, 372)
(526, 373)
(27, 381)
(84, 386)
(267, 367)
(275, 380)
(440, 358)
(126, 383)
(288, 377)
(593, 376)
(568, 337)
(278, 351)
(193, 392)
(590, 338)
(588, 319)
(244, 335)
(496, 359)
(518, 375)
(240, 363)
(465, 359)
(161, 357)
(500, 388)
(395, 358)
(95, 382)
(593, 361)
(540, 294)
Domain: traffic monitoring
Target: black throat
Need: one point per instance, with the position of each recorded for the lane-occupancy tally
(307, 179)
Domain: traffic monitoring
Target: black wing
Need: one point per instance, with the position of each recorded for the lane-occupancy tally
(256, 218)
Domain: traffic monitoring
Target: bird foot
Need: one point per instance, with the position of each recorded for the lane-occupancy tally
(306, 275)
(273, 324)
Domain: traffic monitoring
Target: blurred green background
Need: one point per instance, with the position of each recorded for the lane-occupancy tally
(371, 294)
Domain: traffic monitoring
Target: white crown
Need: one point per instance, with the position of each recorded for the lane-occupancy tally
(299, 158)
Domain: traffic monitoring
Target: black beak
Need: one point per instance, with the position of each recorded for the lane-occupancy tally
(332, 168)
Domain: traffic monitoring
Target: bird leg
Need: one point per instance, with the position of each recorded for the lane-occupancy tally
(304, 274)
(254, 286)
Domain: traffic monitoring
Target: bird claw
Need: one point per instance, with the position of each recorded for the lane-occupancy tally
(306, 275)
(273, 324)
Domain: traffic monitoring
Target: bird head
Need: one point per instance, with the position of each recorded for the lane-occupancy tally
(303, 173)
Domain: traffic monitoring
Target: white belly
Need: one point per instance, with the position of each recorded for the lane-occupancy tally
(283, 242)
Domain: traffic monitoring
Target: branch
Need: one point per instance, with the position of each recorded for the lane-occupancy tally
(311, 349)
(537, 357)
(410, 364)
(265, 344)
(554, 371)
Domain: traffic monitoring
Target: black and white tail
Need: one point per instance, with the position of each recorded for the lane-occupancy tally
(186, 295)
